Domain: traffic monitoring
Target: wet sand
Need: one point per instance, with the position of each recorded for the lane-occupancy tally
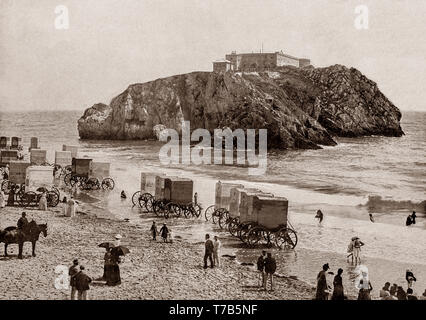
(153, 270)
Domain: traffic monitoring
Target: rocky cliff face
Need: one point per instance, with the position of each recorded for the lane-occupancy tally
(301, 108)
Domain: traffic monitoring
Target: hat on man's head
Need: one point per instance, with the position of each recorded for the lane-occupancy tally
(75, 261)
(326, 266)
(118, 236)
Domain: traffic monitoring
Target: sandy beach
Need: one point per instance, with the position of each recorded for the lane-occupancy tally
(153, 270)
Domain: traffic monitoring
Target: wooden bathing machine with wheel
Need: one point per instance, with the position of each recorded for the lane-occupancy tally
(235, 200)
(223, 194)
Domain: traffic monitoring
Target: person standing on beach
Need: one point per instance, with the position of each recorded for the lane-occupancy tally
(107, 263)
(400, 294)
(113, 276)
(385, 289)
(371, 217)
(72, 271)
(338, 293)
(357, 250)
(409, 276)
(322, 286)
(82, 281)
(410, 295)
(208, 253)
(42, 204)
(364, 293)
(261, 268)
(71, 207)
(270, 268)
(2, 199)
(164, 231)
(195, 198)
(154, 231)
(216, 255)
(11, 197)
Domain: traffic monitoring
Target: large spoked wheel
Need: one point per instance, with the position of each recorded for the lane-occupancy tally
(233, 226)
(92, 184)
(108, 184)
(145, 202)
(67, 179)
(135, 198)
(159, 209)
(209, 213)
(52, 199)
(254, 236)
(244, 229)
(286, 238)
(223, 218)
(174, 210)
(195, 210)
(28, 198)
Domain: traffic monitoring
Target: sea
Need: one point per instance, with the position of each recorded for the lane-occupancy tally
(382, 176)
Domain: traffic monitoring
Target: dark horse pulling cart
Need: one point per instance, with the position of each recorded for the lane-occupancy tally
(31, 233)
(166, 196)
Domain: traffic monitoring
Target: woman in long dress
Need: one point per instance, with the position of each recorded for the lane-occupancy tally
(2, 199)
(113, 277)
(322, 287)
(42, 205)
(338, 286)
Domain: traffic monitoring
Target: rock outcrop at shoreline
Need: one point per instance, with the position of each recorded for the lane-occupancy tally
(300, 107)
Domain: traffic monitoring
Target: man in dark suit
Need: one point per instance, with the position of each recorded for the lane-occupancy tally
(270, 267)
(72, 271)
(208, 254)
(22, 222)
(82, 281)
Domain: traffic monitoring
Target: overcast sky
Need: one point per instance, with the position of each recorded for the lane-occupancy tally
(113, 43)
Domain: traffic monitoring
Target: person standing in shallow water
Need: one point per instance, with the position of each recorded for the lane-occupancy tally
(338, 293)
(322, 286)
(319, 216)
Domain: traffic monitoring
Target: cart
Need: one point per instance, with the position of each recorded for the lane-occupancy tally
(39, 179)
(264, 221)
(219, 212)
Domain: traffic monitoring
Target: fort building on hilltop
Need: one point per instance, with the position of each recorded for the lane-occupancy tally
(257, 61)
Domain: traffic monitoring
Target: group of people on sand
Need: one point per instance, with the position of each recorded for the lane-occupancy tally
(165, 232)
(364, 286)
(266, 265)
(396, 292)
(80, 281)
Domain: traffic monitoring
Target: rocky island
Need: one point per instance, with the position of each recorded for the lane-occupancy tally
(301, 107)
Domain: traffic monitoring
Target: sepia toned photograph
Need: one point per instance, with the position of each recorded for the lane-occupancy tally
(203, 151)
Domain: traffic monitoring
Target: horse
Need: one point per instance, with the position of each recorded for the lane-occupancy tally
(30, 233)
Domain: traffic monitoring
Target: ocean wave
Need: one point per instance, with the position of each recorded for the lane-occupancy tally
(378, 203)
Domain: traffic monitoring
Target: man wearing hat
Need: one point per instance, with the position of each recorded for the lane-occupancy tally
(322, 286)
(82, 281)
(72, 271)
